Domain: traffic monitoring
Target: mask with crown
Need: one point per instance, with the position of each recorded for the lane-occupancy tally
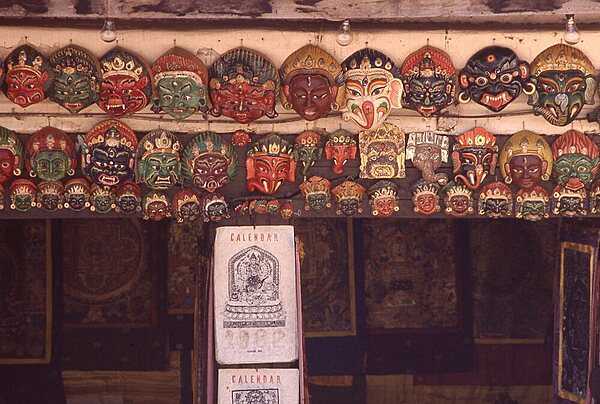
(158, 160)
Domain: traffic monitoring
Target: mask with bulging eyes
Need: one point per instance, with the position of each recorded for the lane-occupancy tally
(28, 76)
(51, 154)
(576, 160)
(382, 152)
(214, 208)
(77, 194)
(158, 160)
(209, 162)
(50, 195)
(156, 206)
(569, 202)
(474, 157)
(11, 155)
(186, 206)
(128, 198)
(532, 204)
(495, 200)
(349, 198)
(22, 195)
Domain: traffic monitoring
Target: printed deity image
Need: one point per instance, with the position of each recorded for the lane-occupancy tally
(259, 386)
(28, 76)
(429, 79)
(255, 294)
(373, 88)
(243, 86)
(564, 81)
(382, 152)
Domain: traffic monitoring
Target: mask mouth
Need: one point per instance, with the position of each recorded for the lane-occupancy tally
(162, 181)
(109, 180)
(496, 102)
(73, 106)
(427, 111)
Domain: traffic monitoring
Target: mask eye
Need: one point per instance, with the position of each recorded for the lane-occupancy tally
(506, 78)
(481, 81)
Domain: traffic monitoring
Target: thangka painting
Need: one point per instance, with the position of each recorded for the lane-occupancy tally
(108, 274)
(25, 292)
(512, 279)
(410, 274)
(327, 272)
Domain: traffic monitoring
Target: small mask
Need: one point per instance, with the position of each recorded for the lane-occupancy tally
(595, 198)
(50, 195)
(102, 199)
(429, 78)
(158, 160)
(11, 155)
(77, 77)
(128, 198)
(186, 206)
(382, 152)
(317, 193)
(312, 82)
(259, 207)
(241, 138)
(494, 77)
(214, 207)
(269, 164)
(51, 154)
(108, 153)
(273, 206)
(349, 198)
(428, 151)
(526, 160)
(156, 206)
(383, 198)
(569, 202)
(209, 162)
(307, 150)
(180, 81)
(576, 160)
(287, 209)
(22, 195)
(243, 86)
(532, 204)
(564, 81)
(126, 86)
(495, 200)
(373, 88)
(425, 198)
(340, 148)
(77, 194)
(28, 76)
(474, 157)
(458, 200)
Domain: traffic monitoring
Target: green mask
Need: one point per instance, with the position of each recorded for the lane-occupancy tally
(180, 97)
(160, 170)
(574, 169)
(50, 165)
(73, 91)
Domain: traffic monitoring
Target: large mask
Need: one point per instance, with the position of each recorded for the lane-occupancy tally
(156, 206)
(349, 197)
(50, 196)
(383, 198)
(27, 76)
(312, 82)
(77, 77)
(11, 155)
(426, 198)
(102, 199)
(243, 86)
(180, 81)
(373, 88)
(569, 202)
(51, 154)
(214, 207)
(382, 152)
(77, 194)
(158, 160)
(126, 86)
(186, 206)
(494, 77)
(317, 193)
(269, 164)
(576, 160)
(307, 150)
(458, 200)
(564, 82)
(526, 160)
(428, 151)
(429, 78)
(209, 162)
(474, 157)
(108, 153)
(340, 147)
(128, 198)
(495, 200)
(22, 195)
(532, 204)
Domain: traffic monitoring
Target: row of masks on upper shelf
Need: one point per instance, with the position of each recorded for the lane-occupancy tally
(244, 85)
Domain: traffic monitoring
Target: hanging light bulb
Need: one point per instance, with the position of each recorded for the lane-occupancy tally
(108, 33)
(572, 35)
(344, 37)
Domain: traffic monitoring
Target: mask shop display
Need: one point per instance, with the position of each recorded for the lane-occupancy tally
(77, 194)
(307, 150)
(317, 193)
(186, 206)
(382, 152)
(428, 151)
(50, 195)
(128, 198)
(526, 160)
(158, 160)
(11, 155)
(340, 147)
(269, 163)
(51, 154)
(496, 200)
(102, 199)
(214, 207)
(474, 157)
(383, 198)
(349, 197)
(22, 194)
(426, 198)
(28, 76)
(156, 206)
(458, 200)
(532, 204)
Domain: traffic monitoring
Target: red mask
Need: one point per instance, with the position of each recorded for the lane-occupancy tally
(7, 165)
(340, 147)
(25, 87)
(121, 95)
(244, 102)
(267, 173)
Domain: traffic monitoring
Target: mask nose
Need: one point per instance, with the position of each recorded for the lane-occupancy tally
(562, 101)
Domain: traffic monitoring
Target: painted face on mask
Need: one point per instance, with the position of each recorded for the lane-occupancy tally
(429, 79)
(349, 197)
(108, 152)
(532, 204)
(186, 206)
(158, 160)
(214, 208)
(373, 88)
(243, 86)
(384, 199)
(382, 152)
(576, 160)
(180, 97)
(77, 194)
(428, 151)
(209, 162)
(564, 82)
(458, 200)
(494, 77)
(22, 195)
(156, 207)
(27, 76)
(50, 195)
(495, 200)
(308, 149)
(7, 165)
(11, 155)
(426, 198)
(317, 193)
(269, 164)
(126, 86)
(569, 202)
(474, 157)
(76, 84)
(102, 199)
(526, 160)
(51, 154)
(340, 147)
(128, 198)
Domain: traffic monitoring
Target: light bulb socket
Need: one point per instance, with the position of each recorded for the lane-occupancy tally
(108, 33)
(571, 34)
(344, 37)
